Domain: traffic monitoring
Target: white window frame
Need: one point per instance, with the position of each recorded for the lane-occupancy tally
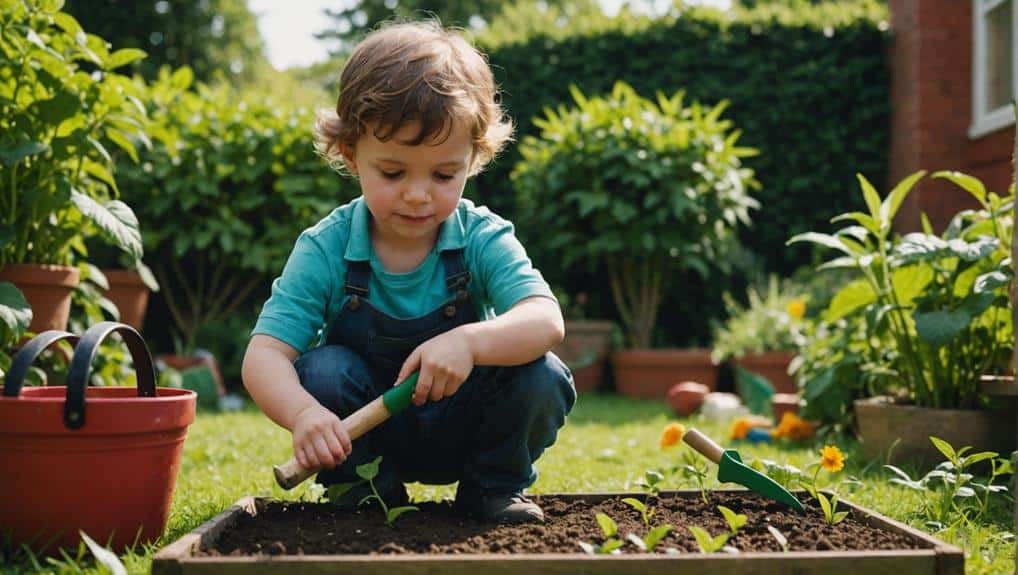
(985, 121)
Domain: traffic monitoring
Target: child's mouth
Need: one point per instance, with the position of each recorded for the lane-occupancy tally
(414, 219)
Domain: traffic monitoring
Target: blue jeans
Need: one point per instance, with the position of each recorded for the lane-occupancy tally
(488, 434)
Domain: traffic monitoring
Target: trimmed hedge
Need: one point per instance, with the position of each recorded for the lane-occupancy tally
(808, 86)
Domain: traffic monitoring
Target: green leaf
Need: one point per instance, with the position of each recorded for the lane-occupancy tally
(870, 195)
(393, 513)
(115, 219)
(610, 546)
(369, 471)
(943, 447)
(98, 171)
(965, 182)
(853, 296)
(734, 520)
(124, 57)
(11, 154)
(839, 517)
(825, 505)
(894, 199)
(123, 143)
(655, 535)
(607, 524)
(635, 504)
(938, 328)
(822, 239)
(67, 23)
(15, 311)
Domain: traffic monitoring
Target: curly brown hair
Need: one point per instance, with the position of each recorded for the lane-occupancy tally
(420, 73)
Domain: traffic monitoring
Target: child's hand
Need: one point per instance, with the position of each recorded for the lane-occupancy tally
(320, 439)
(445, 361)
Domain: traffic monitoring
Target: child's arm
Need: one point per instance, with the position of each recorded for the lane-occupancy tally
(319, 437)
(520, 335)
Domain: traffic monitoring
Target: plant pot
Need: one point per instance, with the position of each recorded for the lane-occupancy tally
(261, 536)
(102, 460)
(48, 289)
(881, 422)
(774, 366)
(782, 403)
(584, 350)
(129, 294)
(650, 373)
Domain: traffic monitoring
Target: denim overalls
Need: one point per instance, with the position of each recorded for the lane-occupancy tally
(487, 435)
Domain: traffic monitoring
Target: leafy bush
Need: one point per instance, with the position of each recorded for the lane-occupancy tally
(637, 186)
(929, 314)
(62, 110)
(773, 320)
(231, 182)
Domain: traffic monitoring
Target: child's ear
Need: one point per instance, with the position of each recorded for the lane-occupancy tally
(348, 158)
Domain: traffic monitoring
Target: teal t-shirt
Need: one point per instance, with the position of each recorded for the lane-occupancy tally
(309, 293)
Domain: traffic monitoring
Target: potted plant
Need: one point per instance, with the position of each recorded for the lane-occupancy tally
(646, 189)
(763, 335)
(585, 347)
(59, 122)
(124, 281)
(933, 311)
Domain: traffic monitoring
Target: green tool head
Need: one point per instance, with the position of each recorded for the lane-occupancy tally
(732, 469)
(398, 398)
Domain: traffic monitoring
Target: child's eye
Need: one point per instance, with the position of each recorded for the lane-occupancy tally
(391, 175)
(443, 177)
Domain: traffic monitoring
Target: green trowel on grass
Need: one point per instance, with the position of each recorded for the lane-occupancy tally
(292, 474)
(731, 469)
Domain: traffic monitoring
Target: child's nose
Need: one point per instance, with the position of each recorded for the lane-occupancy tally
(417, 191)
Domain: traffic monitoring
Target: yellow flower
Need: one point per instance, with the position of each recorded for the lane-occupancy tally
(671, 435)
(797, 308)
(740, 428)
(832, 459)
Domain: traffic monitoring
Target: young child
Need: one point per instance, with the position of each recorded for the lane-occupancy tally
(408, 277)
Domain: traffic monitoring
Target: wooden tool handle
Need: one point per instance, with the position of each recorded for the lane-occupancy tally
(291, 474)
(704, 445)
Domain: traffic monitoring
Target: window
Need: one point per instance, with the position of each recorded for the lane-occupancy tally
(994, 65)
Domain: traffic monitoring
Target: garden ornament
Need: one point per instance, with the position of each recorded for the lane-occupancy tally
(292, 474)
(732, 469)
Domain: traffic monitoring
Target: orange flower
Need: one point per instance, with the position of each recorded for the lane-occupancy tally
(793, 427)
(797, 308)
(741, 428)
(671, 435)
(832, 459)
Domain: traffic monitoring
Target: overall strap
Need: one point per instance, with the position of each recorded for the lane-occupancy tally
(358, 273)
(457, 276)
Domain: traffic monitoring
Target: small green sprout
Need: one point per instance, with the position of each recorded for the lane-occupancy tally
(368, 472)
(611, 543)
(651, 539)
(830, 508)
(707, 543)
(734, 520)
(695, 468)
(833, 461)
(651, 481)
(646, 512)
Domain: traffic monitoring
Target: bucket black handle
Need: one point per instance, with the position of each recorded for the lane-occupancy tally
(26, 356)
(81, 366)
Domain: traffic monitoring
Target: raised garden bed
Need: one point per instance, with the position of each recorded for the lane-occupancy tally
(258, 535)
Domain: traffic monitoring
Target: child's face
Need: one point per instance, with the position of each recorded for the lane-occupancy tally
(411, 190)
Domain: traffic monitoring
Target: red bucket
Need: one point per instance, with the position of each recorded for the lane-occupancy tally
(102, 460)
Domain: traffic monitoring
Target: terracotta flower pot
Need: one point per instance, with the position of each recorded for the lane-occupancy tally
(881, 422)
(686, 397)
(585, 349)
(129, 294)
(782, 403)
(774, 366)
(102, 460)
(48, 289)
(650, 373)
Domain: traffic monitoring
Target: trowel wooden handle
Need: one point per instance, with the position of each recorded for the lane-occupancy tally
(291, 474)
(704, 445)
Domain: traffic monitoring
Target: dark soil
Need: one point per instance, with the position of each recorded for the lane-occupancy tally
(317, 528)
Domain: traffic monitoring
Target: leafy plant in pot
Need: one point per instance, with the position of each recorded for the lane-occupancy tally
(585, 347)
(647, 189)
(61, 107)
(936, 307)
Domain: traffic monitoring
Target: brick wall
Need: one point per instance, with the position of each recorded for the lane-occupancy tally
(931, 109)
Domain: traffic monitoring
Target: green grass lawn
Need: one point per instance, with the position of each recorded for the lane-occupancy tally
(606, 445)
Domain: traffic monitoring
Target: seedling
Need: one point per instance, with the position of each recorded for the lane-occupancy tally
(734, 520)
(611, 543)
(833, 461)
(651, 481)
(652, 538)
(830, 508)
(695, 467)
(707, 543)
(646, 512)
(368, 472)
